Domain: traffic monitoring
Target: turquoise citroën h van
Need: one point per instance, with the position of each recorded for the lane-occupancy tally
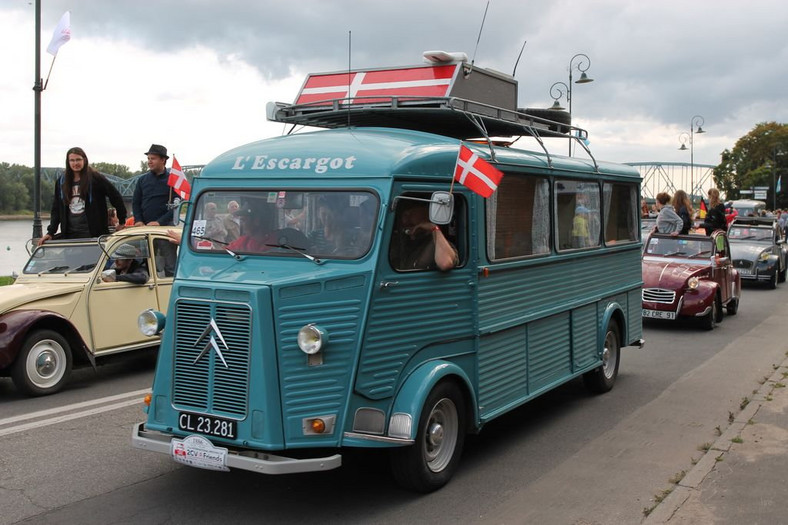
(311, 316)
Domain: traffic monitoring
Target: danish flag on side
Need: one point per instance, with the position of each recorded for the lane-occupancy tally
(476, 174)
(178, 180)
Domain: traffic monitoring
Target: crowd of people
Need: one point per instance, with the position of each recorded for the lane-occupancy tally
(675, 214)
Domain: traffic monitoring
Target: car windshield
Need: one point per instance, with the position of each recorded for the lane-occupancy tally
(749, 233)
(675, 246)
(312, 224)
(56, 259)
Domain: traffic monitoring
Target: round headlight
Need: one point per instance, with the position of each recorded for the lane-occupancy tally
(312, 339)
(763, 257)
(150, 322)
(693, 282)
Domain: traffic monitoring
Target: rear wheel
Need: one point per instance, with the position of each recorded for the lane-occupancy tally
(430, 462)
(43, 365)
(602, 378)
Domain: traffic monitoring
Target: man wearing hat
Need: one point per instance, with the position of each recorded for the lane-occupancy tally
(126, 267)
(153, 194)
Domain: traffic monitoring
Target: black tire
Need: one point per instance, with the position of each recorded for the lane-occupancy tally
(602, 378)
(430, 462)
(732, 307)
(709, 321)
(718, 314)
(43, 365)
(772, 283)
(781, 275)
(557, 116)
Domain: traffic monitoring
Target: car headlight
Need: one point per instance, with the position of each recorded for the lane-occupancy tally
(763, 257)
(151, 322)
(692, 283)
(312, 339)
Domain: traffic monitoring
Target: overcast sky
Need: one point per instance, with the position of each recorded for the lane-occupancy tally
(195, 75)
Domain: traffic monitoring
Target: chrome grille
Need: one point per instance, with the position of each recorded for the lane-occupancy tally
(659, 295)
(207, 385)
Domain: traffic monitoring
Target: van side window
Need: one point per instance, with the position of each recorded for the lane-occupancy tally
(414, 244)
(518, 218)
(165, 254)
(620, 212)
(577, 213)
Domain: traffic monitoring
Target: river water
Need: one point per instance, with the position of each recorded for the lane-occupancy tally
(13, 236)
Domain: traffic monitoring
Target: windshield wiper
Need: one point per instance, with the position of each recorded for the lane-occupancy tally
(706, 252)
(222, 243)
(299, 251)
(671, 254)
(54, 269)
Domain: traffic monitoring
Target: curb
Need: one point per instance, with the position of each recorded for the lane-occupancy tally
(690, 483)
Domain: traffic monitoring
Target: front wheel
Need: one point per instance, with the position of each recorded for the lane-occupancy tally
(43, 365)
(772, 284)
(602, 379)
(430, 462)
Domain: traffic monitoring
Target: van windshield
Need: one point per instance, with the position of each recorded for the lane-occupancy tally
(324, 224)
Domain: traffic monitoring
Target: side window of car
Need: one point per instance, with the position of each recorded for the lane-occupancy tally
(165, 255)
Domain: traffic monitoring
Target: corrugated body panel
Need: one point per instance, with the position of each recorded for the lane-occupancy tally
(548, 351)
(635, 312)
(321, 389)
(503, 368)
(204, 383)
(510, 296)
(421, 309)
(585, 347)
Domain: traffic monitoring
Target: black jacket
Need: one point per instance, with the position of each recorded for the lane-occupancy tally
(715, 219)
(99, 190)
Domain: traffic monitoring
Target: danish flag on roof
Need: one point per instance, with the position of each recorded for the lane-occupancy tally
(420, 81)
(476, 174)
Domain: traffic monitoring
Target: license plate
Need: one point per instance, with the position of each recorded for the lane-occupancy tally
(659, 314)
(210, 425)
(196, 451)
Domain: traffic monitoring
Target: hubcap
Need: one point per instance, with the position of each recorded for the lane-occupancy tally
(46, 364)
(441, 435)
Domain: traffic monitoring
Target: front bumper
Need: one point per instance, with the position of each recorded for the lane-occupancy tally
(261, 462)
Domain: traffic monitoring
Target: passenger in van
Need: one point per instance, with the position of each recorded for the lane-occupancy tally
(580, 233)
(126, 268)
(419, 244)
(214, 225)
(256, 230)
(231, 222)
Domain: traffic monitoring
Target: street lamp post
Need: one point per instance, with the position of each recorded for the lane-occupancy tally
(582, 66)
(698, 121)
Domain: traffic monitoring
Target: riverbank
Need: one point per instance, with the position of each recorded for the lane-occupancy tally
(22, 217)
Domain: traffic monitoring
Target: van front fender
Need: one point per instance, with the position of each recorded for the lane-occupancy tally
(414, 391)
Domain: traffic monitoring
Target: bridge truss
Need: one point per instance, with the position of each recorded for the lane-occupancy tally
(672, 176)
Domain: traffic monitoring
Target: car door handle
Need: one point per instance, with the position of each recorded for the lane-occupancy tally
(388, 284)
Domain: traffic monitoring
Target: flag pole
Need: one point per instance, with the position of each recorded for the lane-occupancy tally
(37, 88)
(46, 82)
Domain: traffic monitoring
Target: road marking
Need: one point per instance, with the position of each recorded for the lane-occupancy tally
(75, 415)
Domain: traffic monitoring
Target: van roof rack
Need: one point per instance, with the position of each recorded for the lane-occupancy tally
(454, 100)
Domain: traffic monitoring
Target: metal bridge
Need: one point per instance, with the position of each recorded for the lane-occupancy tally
(672, 176)
(124, 186)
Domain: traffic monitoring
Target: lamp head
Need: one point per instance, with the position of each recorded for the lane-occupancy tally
(556, 105)
(683, 147)
(583, 79)
(699, 130)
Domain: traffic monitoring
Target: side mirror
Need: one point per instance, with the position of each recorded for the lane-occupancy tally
(441, 207)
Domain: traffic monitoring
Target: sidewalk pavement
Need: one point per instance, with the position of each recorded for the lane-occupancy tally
(743, 477)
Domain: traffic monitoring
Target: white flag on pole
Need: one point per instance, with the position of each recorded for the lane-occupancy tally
(62, 34)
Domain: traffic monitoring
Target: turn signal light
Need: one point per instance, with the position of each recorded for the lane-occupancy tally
(318, 426)
(147, 399)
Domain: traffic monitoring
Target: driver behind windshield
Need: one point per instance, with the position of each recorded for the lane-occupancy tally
(257, 221)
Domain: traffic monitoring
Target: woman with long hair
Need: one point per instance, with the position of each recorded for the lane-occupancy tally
(715, 217)
(683, 206)
(79, 207)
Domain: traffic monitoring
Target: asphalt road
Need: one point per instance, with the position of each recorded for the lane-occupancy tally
(566, 458)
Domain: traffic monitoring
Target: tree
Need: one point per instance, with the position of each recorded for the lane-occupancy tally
(119, 170)
(759, 158)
